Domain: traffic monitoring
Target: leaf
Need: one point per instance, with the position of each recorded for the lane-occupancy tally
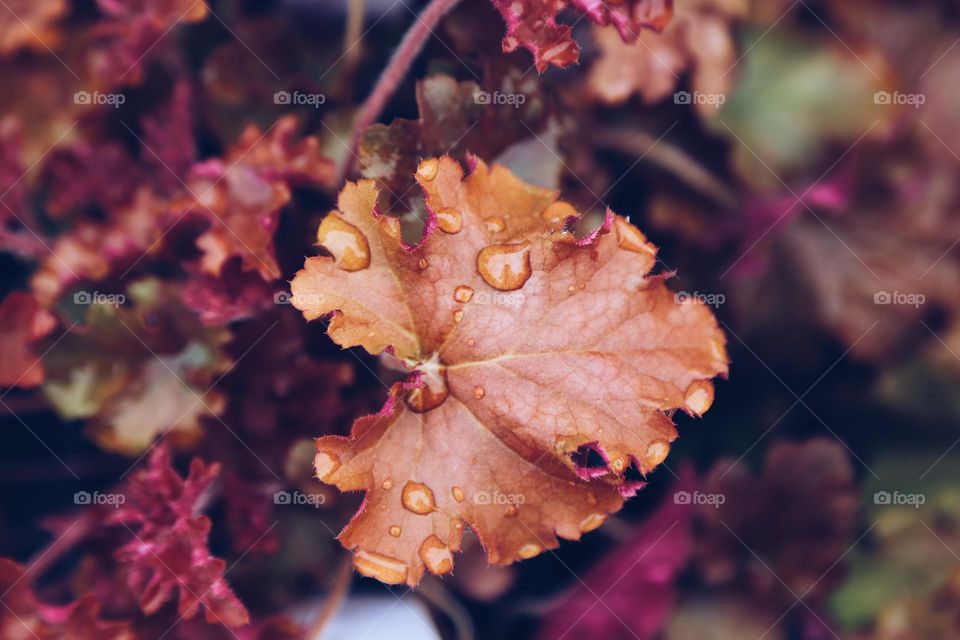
(24, 616)
(533, 25)
(138, 371)
(452, 121)
(643, 569)
(22, 322)
(168, 554)
(526, 344)
(699, 39)
(243, 193)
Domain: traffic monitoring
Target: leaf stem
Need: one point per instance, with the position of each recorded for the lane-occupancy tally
(410, 46)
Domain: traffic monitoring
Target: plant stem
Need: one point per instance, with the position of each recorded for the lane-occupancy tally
(410, 46)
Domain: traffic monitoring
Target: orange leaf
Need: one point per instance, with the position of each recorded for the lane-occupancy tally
(526, 345)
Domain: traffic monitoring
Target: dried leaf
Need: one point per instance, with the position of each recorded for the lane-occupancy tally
(514, 371)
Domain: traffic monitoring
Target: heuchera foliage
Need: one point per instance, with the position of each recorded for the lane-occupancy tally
(512, 368)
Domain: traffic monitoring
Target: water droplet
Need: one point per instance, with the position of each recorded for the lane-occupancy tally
(391, 226)
(418, 498)
(383, 568)
(471, 342)
(478, 393)
(505, 266)
(592, 521)
(699, 397)
(529, 550)
(631, 238)
(495, 224)
(463, 294)
(433, 391)
(449, 220)
(571, 289)
(395, 531)
(511, 511)
(428, 169)
(436, 556)
(349, 246)
(656, 453)
(422, 263)
(458, 315)
(558, 212)
(387, 484)
(618, 464)
(325, 463)
(458, 494)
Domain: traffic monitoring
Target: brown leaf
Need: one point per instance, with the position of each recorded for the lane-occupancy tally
(526, 345)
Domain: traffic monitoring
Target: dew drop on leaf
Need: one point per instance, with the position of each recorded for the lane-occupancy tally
(463, 294)
(418, 498)
(436, 555)
(505, 266)
(529, 550)
(383, 568)
(428, 169)
(656, 453)
(349, 246)
(558, 212)
(395, 531)
(698, 397)
(449, 220)
(495, 224)
(325, 464)
(592, 521)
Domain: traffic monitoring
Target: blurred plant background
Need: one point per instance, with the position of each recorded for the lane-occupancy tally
(163, 169)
